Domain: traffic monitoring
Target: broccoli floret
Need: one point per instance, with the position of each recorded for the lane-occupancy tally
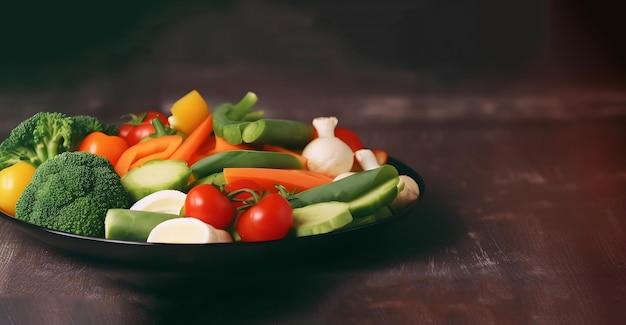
(84, 124)
(72, 192)
(37, 139)
(47, 134)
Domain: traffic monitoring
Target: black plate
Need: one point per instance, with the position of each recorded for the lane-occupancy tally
(115, 252)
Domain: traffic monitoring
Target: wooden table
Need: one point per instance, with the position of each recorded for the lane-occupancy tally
(522, 220)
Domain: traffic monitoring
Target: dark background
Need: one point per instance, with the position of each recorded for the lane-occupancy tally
(51, 41)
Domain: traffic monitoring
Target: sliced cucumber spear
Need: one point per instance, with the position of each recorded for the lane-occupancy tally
(286, 133)
(132, 225)
(366, 191)
(243, 158)
(372, 201)
(352, 201)
(320, 218)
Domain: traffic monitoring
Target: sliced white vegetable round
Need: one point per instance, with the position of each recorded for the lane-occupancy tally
(187, 231)
(180, 231)
(223, 236)
(165, 201)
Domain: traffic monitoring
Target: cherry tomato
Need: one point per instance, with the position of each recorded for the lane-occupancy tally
(207, 203)
(237, 201)
(140, 126)
(269, 219)
(13, 181)
(110, 147)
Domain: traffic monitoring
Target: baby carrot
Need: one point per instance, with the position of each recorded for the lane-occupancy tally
(291, 179)
(194, 141)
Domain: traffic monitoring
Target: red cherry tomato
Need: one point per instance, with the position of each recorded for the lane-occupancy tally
(269, 219)
(110, 147)
(207, 203)
(140, 126)
(237, 201)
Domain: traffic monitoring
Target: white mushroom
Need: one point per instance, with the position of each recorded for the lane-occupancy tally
(328, 154)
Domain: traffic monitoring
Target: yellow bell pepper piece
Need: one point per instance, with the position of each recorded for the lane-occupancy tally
(13, 181)
(188, 112)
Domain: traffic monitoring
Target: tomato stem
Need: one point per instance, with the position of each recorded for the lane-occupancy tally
(256, 197)
(135, 119)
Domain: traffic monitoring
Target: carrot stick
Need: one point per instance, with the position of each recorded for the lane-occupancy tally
(274, 148)
(156, 148)
(291, 179)
(194, 141)
(207, 145)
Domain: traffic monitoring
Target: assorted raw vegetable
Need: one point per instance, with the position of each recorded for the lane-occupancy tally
(196, 175)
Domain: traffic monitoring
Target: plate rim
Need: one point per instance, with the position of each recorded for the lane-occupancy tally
(52, 238)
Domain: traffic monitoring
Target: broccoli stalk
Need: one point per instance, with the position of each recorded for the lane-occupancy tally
(51, 135)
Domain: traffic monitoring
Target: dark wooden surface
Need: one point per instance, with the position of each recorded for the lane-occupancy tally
(523, 220)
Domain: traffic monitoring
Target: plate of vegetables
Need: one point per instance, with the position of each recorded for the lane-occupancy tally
(197, 186)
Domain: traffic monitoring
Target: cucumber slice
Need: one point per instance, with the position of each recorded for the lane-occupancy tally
(155, 176)
(383, 213)
(375, 199)
(320, 218)
(132, 225)
(285, 133)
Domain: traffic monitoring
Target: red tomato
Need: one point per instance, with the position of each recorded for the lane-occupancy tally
(237, 201)
(269, 219)
(140, 126)
(110, 147)
(207, 203)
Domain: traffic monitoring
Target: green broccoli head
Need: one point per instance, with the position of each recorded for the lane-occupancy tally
(72, 192)
(36, 139)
